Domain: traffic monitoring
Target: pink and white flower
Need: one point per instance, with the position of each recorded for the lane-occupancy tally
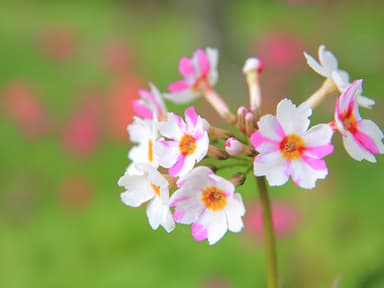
(188, 142)
(148, 185)
(208, 202)
(287, 149)
(150, 104)
(362, 138)
(144, 132)
(198, 71)
(328, 68)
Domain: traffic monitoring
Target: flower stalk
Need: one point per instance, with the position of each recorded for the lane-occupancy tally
(269, 235)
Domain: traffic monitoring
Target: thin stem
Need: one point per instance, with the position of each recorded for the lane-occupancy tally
(269, 236)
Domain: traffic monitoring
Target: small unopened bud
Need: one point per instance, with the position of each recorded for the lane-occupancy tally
(241, 118)
(233, 146)
(238, 179)
(249, 123)
(252, 70)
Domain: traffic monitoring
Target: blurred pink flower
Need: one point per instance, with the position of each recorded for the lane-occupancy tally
(57, 43)
(285, 219)
(19, 103)
(280, 50)
(120, 104)
(75, 192)
(117, 56)
(82, 132)
(217, 283)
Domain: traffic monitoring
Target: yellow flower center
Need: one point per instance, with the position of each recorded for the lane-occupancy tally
(213, 198)
(150, 151)
(155, 189)
(292, 146)
(187, 145)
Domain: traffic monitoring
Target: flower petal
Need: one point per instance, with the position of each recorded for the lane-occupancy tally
(234, 211)
(182, 97)
(304, 175)
(291, 118)
(186, 67)
(273, 166)
(159, 214)
(138, 190)
(355, 150)
(167, 152)
(365, 102)
(216, 224)
(270, 128)
(316, 66)
(318, 135)
(327, 59)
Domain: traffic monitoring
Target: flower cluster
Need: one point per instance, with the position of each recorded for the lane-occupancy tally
(176, 162)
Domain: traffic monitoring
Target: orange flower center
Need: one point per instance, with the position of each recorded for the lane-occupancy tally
(155, 189)
(187, 145)
(349, 122)
(213, 198)
(292, 147)
(150, 151)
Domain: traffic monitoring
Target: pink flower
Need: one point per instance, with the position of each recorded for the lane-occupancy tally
(198, 71)
(20, 103)
(58, 42)
(287, 149)
(188, 142)
(284, 218)
(82, 132)
(208, 202)
(362, 138)
(150, 103)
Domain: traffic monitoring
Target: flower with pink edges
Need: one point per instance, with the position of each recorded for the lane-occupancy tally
(150, 104)
(148, 185)
(198, 71)
(328, 68)
(287, 149)
(188, 142)
(362, 138)
(208, 202)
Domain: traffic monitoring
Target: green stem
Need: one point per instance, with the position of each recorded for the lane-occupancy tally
(269, 236)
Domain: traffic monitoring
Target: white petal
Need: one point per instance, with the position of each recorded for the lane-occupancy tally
(327, 59)
(167, 154)
(140, 130)
(202, 146)
(159, 214)
(234, 211)
(182, 97)
(320, 134)
(216, 224)
(197, 178)
(270, 127)
(188, 205)
(273, 166)
(355, 150)
(213, 58)
(189, 163)
(173, 127)
(304, 176)
(293, 119)
(365, 101)
(138, 190)
(316, 66)
(138, 154)
(223, 184)
(339, 78)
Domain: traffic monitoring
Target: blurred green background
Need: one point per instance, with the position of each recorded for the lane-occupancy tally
(68, 74)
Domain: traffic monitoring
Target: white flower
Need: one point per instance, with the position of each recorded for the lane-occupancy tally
(328, 68)
(199, 70)
(362, 138)
(188, 142)
(287, 149)
(208, 202)
(143, 132)
(151, 186)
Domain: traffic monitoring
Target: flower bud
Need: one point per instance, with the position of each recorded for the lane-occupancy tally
(233, 146)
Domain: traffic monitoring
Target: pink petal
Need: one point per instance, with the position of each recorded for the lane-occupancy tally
(176, 168)
(199, 232)
(186, 67)
(191, 116)
(203, 62)
(142, 110)
(316, 164)
(178, 86)
(366, 142)
(319, 151)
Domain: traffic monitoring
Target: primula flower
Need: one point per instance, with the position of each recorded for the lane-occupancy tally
(151, 186)
(143, 132)
(328, 68)
(150, 104)
(208, 202)
(199, 70)
(287, 149)
(188, 142)
(362, 138)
